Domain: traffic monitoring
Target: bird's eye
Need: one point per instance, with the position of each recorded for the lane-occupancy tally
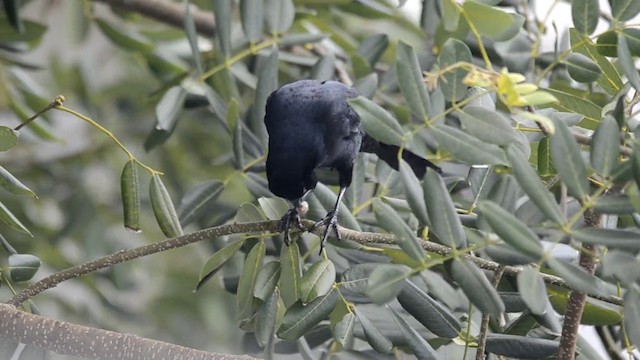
(346, 137)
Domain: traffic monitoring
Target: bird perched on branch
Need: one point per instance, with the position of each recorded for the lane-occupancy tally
(311, 125)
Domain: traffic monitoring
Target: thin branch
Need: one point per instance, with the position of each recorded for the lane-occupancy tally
(167, 12)
(265, 226)
(484, 325)
(90, 343)
(130, 254)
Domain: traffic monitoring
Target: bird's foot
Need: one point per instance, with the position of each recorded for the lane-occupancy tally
(331, 222)
(285, 223)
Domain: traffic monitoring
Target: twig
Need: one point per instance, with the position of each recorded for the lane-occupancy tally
(167, 12)
(264, 226)
(484, 325)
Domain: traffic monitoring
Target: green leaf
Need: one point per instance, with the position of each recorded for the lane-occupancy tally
(377, 122)
(450, 16)
(198, 200)
(488, 125)
(622, 266)
(420, 347)
(609, 81)
(216, 261)
(612, 238)
(124, 39)
(582, 68)
(635, 162)
(476, 286)
(279, 15)
(247, 281)
(170, 107)
(510, 229)
(533, 291)
(627, 63)
(274, 208)
(163, 209)
(533, 187)
(343, 331)
(576, 276)
(267, 317)
(623, 10)
(12, 184)
(22, 267)
(374, 337)
(356, 278)
(301, 39)
(372, 48)
(514, 346)
(192, 35)
(605, 146)
(290, 274)
(267, 83)
(632, 314)
(595, 312)
(545, 164)
(452, 84)
(585, 14)
(565, 153)
(222, 12)
(11, 11)
(489, 21)
(129, 186)
(267, 280)
(385, 282)
(573, 104)
(466, 148)
(414, 193)
(324, 68)
(8, 138)
(435, 317)
(445, 221)
(8, 218)
(411, 81)
(389, 220)
(299, 318)
(252, 16)
(317, 280)
(614, 204)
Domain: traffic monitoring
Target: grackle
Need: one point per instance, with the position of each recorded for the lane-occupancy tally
(311, 125)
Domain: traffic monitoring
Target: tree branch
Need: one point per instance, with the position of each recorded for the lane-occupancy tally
(77, 340)
(264, 226)
(578, 300)
(168, 13)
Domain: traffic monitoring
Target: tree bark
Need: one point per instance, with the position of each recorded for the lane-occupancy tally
(168, 13)
(91, 343)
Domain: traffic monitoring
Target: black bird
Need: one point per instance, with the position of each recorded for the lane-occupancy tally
(311, 125)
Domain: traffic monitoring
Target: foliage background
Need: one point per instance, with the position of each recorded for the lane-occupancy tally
(118, 81)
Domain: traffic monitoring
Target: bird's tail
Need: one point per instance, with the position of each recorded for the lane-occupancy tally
(389, 154)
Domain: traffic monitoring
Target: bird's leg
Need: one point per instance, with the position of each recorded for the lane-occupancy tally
(331, 220)
(293, 215)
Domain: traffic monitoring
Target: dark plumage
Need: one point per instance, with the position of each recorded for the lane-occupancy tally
(311, 125)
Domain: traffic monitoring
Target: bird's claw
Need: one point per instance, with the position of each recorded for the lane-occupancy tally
(285, 223)
(331, 222)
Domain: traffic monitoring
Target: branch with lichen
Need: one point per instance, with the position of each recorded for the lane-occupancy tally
(260, 227)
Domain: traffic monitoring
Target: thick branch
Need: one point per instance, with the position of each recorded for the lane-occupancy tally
(268, 226)
(77, 340)
(168, 13)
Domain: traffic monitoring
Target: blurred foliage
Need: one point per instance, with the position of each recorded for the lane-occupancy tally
(529, 140)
